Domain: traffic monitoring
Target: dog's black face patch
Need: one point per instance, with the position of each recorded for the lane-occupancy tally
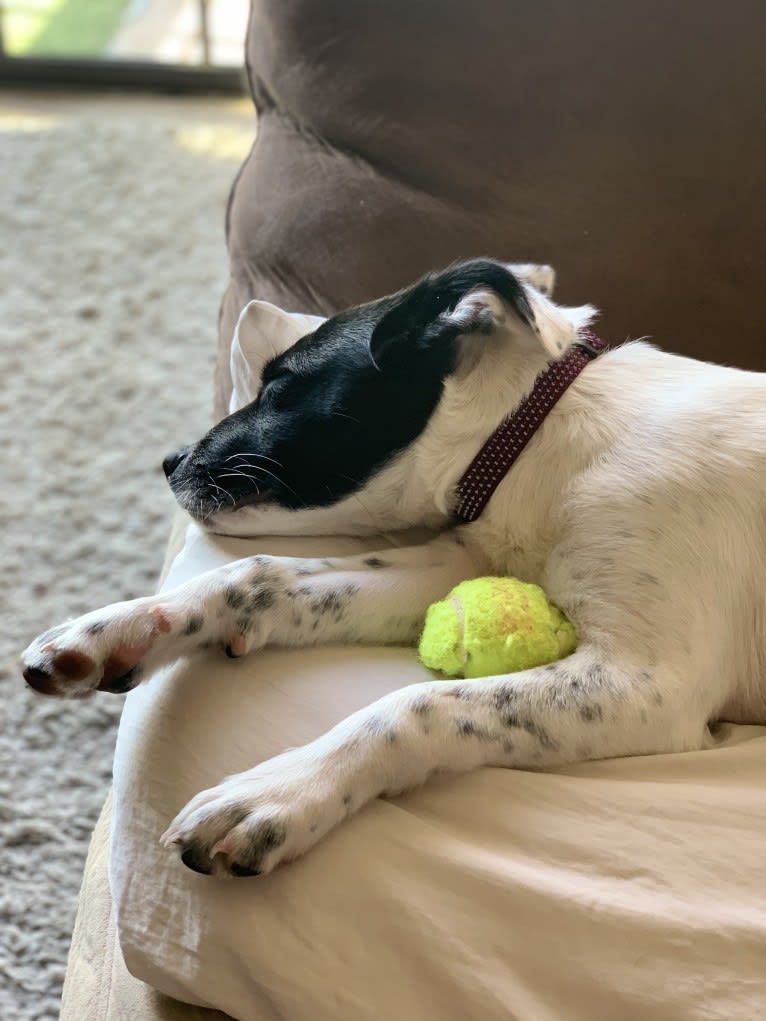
(339, 404)
(325, 420)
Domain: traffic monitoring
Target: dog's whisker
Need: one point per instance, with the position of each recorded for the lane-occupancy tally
(250, 478)
(359, 500)
(234, 473)
(263, 471)
(260, 468)
(348, 478)
(238, 475)
(220, 489)
(241, 467)
(263, 457)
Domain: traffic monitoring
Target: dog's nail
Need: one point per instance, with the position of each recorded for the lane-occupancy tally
(170, 836)
(31, 673)
(191, 861)
(241, 870)
(41, 681)
(236, 647)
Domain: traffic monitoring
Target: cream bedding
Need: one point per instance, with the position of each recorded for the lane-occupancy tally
(628, 889)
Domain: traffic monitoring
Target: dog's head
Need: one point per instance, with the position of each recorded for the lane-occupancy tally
(365, 422)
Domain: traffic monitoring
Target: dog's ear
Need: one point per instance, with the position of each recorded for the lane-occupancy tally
(479, 296)
(263, 331)
(465, 298)
(537, 275)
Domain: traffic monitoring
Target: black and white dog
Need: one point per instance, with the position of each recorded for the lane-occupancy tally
(639, 505)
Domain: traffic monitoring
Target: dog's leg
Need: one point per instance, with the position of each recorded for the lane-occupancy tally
(579, 708)
(375, 598)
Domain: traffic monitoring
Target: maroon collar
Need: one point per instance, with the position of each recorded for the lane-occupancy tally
(498, 455)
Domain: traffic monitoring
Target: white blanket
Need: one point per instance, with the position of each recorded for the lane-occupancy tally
(628, 889)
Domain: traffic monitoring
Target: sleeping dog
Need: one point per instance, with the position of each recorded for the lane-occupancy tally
(638, 502)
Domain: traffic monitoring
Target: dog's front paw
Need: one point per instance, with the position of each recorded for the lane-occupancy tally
(99, 651)
(253, 821)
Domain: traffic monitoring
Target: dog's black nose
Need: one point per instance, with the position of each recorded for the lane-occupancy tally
(172, 461)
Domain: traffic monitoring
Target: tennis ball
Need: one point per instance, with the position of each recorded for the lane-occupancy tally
(494, 626)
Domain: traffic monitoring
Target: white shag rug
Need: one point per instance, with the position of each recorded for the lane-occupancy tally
(112, 265)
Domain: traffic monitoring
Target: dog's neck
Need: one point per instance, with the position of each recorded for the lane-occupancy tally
(523, 513)
(506, 444)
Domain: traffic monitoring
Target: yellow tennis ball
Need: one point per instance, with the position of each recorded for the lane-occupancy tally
(494, 626)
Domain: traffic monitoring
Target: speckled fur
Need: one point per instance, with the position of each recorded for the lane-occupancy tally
(638, 506)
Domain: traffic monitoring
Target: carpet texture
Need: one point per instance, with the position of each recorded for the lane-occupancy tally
(112, 264)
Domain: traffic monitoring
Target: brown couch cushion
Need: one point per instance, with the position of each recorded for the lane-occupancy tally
(624, 143)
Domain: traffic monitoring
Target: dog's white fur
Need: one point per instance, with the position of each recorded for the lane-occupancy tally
(639, 506)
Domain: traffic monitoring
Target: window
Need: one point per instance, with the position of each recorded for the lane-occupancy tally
(123, 37)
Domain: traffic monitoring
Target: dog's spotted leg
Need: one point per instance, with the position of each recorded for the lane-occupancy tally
(580, 708)
(248, 604)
